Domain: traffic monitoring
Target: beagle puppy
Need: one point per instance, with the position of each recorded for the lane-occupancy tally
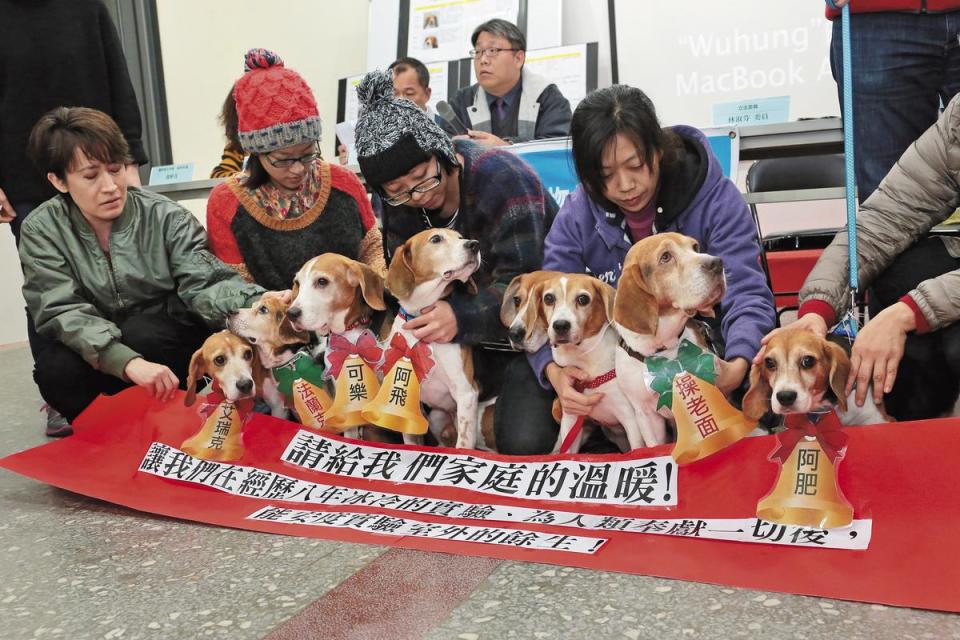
(231, 362)
(804, 373)
(665, 282)
(265, 325)
(520, 311)
(577, 310)
(422, 272)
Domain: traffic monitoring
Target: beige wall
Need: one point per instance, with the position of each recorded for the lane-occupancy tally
(203, 43)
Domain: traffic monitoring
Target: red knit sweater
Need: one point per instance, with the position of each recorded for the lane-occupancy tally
(270, 251)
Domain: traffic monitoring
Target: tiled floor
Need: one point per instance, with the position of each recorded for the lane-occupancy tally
(71, 567)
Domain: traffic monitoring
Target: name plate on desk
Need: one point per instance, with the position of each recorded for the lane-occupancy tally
(170, 173)
(747, 112)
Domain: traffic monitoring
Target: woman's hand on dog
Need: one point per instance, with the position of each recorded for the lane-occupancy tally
(436, 323)
(158, 379)
(810, 322)
(572, 401)
(285, 296)
(877, 352)
(731, 374)
(7, 214)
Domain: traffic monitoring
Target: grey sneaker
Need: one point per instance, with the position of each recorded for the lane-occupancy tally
(57, 425)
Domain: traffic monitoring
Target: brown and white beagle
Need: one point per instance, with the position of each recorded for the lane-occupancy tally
(265, 325)
(422, 272)
(804, 373)
(577, 310)
(231, 362)
(665, 282)
(520, 311)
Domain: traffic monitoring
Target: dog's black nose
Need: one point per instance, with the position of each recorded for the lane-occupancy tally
(245, 385)
(786, 398)
(561, 326)
(294, 312)
(472, 245)
(713, 265)
(517, 334)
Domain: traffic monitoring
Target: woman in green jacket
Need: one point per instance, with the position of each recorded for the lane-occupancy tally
(119, 281)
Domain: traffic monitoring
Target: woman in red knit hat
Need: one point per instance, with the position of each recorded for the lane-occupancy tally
(290, 205)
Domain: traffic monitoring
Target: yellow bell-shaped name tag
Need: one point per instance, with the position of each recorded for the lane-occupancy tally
(706, 422)
(397, 406)
(355, 387)
(310, 402)
(219, 438)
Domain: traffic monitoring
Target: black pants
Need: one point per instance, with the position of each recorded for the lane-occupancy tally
(522, 421)
(69, 384)
(928, 379)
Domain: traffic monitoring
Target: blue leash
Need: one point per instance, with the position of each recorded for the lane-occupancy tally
(849, 325)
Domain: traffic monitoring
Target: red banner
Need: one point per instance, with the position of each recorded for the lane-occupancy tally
(896, 476)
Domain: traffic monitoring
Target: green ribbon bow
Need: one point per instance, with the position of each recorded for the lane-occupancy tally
(690, 358)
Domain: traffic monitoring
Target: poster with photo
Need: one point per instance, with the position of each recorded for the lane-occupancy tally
(441, 31)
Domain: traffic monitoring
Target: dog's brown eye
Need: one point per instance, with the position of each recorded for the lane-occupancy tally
(807, 362)
(516, 300)
(770, 364)
(220, 361)
(248, 355)
(435, 239)
(321, 282)
(549, 299)
(665, 257)
(583, 300)
(262, 310)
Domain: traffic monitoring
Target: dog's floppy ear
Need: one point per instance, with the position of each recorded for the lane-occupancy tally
(756, 402)
(608, 294)
(400, 276)
(839, 367)
(197, 367)
(508, 311)
(634, 307)
(370, 283)
(259, 372)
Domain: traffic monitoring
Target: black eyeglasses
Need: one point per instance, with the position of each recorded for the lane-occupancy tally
(422, 187)
(490, 52)
(286, 163)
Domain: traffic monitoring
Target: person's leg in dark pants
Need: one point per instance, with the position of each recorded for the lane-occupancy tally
(904, 64)
(67, 382)
(523, 422)
(165, 340)
(928, 378)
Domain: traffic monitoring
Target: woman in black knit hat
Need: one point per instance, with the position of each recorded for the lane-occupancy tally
(490, 195)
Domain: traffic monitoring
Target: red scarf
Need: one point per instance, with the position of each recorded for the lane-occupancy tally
(216, 397)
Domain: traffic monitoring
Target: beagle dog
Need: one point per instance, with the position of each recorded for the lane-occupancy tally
(334, 295)
(665, 282)
(520, 311)
(422, 272)
(265, 325)
(231, 362)
(577, 310)
(804, 373)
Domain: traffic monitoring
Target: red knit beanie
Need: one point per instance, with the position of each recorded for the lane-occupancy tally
(275, 107)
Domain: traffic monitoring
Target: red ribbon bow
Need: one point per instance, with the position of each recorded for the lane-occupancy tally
(341, 348)
(216, 397)
(419, 355)
(828, 432)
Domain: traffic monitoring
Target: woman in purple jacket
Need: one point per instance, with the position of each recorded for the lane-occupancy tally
(637, 179)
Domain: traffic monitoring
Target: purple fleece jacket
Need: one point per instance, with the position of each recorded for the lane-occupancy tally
(695, 199)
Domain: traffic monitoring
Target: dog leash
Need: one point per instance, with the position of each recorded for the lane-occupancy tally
(849, 323)
(580, 385)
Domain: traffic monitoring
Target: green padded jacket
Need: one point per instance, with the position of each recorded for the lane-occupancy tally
(158, 261)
